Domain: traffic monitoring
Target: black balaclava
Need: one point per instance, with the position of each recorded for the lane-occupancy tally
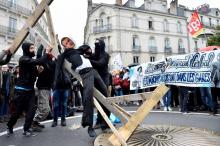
(26, 51)
(99, 48)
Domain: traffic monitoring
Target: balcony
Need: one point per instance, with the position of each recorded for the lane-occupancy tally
(181, 50)
(102, 29)
(15, 7)
(168, 50)
(8, 31)
(153, 49)
(136, 49)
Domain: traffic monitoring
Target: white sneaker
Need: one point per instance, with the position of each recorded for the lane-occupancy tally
(165, 109)
(169, 108)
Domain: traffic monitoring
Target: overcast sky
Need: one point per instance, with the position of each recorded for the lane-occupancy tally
(69, 16)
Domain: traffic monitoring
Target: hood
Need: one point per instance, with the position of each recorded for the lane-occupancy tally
(25, 48)
(99, 47)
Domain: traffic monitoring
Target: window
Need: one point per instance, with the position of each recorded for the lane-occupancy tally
(12, 24)
(103, 20)
(12, 3)
(152, 58)
(201, 17)
(180, 44)
(217, 22)
(166, 26)
(135, 42)
(150, 24)
(210, 22)
(179, 27)
(167, 42)
(152, 42)
(216, 13)
(135, 59)
(134, 21)
(132, 4)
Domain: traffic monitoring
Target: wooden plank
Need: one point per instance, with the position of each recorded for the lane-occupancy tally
(114, 130)
(31, 21)
(122, 110)
(52, 34)
(131, 97)
(139, 116)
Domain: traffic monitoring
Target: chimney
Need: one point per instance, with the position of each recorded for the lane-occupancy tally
(174, 7)
(118, 2)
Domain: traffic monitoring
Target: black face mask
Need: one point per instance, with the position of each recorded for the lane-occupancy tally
(32, 54)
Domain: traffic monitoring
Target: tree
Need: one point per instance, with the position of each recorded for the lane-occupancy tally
(215, 39)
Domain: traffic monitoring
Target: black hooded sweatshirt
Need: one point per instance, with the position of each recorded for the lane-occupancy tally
(27, 68)
(100, 61)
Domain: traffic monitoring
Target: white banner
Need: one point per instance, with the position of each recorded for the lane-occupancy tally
(116, 62)
(193, 70)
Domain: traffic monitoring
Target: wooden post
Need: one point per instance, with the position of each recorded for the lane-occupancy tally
(31, 21)
(139, 116)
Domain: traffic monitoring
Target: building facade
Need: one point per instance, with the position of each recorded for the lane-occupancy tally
(13, 15)
(142, 34)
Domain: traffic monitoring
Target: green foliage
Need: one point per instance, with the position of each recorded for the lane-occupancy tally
(215, 39)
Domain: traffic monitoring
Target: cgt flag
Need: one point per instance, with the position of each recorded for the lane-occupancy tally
(195, 26)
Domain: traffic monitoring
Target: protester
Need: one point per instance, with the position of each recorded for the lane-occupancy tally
(24, 99)
(90, 78)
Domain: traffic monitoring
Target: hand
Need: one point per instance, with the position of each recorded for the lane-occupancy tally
(40, 68)
(49, 50)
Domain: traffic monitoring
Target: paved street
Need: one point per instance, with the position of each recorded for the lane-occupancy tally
(74, 135)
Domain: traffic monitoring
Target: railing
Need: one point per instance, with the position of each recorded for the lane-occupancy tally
(136, 49)
(153, 49)
(101, 29)
(15, 7)
(8, 31)
(181, 50)
(168, 50)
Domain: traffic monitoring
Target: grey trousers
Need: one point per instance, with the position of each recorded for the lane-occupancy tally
(43, 107)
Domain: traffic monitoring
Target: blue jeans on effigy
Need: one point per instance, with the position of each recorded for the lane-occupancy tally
(60, 97)
(206, 96)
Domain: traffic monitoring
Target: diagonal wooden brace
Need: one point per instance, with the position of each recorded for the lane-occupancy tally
(139, 116)
(31, 21)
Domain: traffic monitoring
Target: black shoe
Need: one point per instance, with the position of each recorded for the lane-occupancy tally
(63, 122)
(54, 124)
(91, 131)
(37, 124)
(10, 131)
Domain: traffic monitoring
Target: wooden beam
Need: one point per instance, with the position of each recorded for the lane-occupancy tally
(31, 21)
(131, 97)
(52, 34)
(139, 116)
(114, 130)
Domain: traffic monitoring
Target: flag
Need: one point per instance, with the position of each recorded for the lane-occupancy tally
(195, 26)
(116, 62)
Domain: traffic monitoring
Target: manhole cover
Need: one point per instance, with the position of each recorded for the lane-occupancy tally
(156, 135)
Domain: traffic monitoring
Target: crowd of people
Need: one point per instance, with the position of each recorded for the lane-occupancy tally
(41, 86)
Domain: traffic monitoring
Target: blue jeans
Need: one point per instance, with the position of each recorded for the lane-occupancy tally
(60, 97)
(4, 106)
(167, 99)
(206, 96)
(118, 92)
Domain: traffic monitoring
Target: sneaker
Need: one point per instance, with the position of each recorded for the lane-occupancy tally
(29, 133)
(9, 131)
(165, 109)
(91, 131)
(63, 122)
(35, 123)
(54, 124)
(169, 108)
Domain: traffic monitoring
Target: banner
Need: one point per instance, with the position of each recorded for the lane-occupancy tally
(116, 62)
(192, 70)
(195, 26)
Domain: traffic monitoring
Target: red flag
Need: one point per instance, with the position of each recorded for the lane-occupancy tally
(195, 26)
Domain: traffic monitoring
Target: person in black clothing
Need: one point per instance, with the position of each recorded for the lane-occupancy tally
(90, 78)
(99, 61)
(44, 86)
(3, 59)
(24, 99)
